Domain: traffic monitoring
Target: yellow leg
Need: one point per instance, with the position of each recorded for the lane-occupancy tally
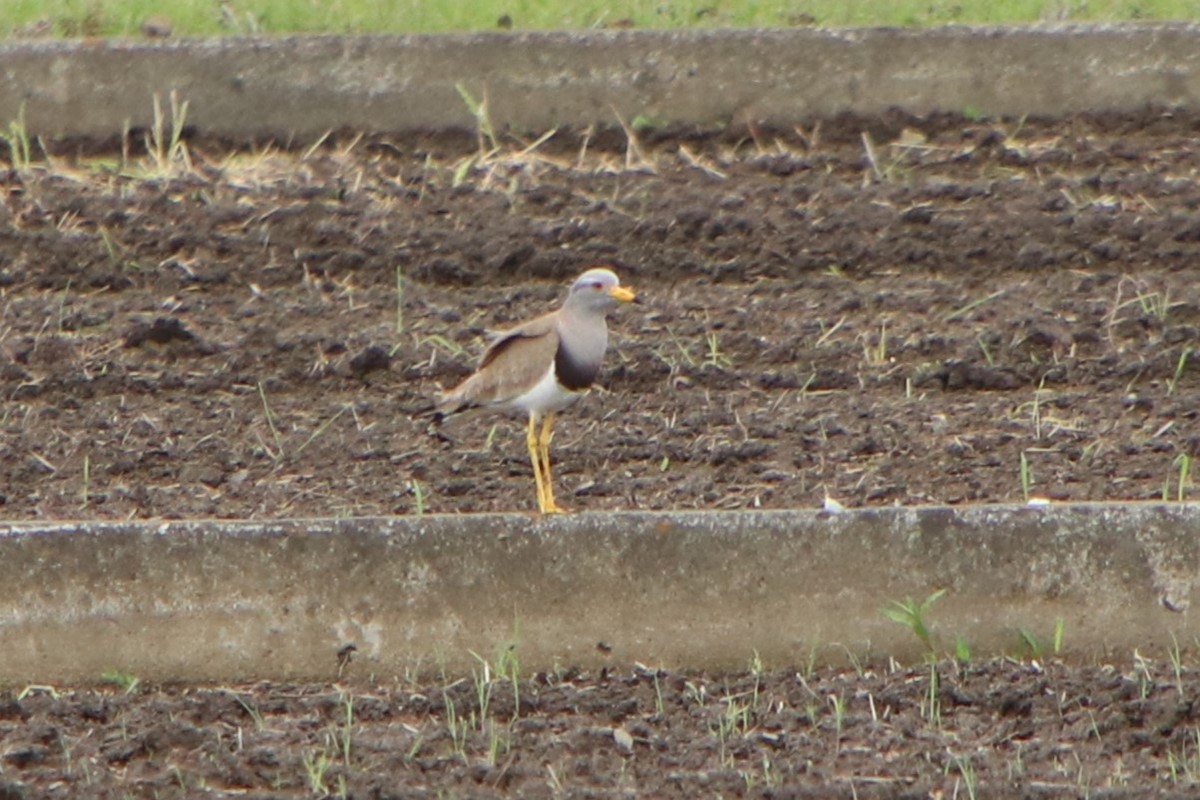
(549, 507)
(531, 439)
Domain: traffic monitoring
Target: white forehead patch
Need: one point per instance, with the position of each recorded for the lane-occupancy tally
(599, 274)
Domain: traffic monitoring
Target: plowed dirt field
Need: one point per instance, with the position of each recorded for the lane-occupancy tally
(879, 310)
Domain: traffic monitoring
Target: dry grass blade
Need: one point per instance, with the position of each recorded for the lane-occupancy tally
(869, 148)
(635, 157)
(962, 311)
(315, 146)
(541, 140)
(700, 164)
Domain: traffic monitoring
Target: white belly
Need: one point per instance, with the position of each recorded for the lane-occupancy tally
(546, 396)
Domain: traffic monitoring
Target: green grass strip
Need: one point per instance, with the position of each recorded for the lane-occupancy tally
(217, 17)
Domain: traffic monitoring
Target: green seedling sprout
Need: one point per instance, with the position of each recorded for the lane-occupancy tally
(1026, 477)
(911, 614)
(17, 140)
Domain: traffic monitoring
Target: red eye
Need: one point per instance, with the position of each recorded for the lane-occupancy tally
(597, 285)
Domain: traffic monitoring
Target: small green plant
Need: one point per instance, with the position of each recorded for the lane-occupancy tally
(810, 663)
(756, 666)
(1175, 653)
(714, 357)
(1026, 475)
(483, 687)
(415, 749)
(1016, 767)
(876, 353)
(911, 614)
(111, 248)
(87, 481)
(1182, 468)
(987, 353)
(685, 350)
(931, 708)
(641, 122)
(1155, 304)
(20, 154)
(1143, 674)
(770, 777)
(966, 771)
(457, 727)
(255, 714)
(838, 704)
(1029, 643)
(499, 742)
(343, 736)
(962, 649)
(316, 763)
(1180, 366)
(856, 660)
(812, 712)
(734, 721)
(122, 680)
(418, 494)
(737, 717)
(462, 169)
(508, 668)
(484, 131)
(1185, 765)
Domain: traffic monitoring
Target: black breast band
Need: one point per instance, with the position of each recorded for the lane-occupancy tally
(572, 374)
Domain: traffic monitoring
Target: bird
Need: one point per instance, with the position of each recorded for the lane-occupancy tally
(543, 365)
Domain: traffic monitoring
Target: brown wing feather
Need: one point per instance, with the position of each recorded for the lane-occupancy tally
(530, 329)
(516, 360)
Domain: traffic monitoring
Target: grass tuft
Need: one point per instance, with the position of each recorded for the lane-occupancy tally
(168, 151)
(16, 138)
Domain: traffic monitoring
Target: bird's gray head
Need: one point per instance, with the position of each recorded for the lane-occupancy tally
(598, 290)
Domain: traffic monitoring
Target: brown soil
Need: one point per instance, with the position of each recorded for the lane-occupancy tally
(986, 730)
(903, 323)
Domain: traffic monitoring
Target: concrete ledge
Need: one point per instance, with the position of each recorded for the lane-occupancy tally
(217, 600)
(304, 86)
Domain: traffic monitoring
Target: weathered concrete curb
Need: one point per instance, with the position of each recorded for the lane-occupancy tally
(218, 600)
(304, 86)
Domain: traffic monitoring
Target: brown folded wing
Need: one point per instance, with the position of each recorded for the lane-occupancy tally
(512, 365)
